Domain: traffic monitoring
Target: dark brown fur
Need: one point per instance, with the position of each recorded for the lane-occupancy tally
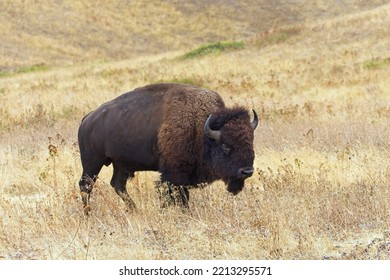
(161, 128)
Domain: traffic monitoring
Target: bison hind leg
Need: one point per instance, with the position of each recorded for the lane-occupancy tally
(86, 186)
(92, 164)
(118, 182)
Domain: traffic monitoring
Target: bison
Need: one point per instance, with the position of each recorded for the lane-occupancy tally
(182, 131)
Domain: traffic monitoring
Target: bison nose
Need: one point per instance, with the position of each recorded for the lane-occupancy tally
(245, 172)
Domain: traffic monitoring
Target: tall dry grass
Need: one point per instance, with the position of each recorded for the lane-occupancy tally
(321, 186)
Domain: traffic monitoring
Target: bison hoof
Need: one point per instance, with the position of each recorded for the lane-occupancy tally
(87, 210)
(131, 207)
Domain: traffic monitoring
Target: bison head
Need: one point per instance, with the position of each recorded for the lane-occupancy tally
(229, 133)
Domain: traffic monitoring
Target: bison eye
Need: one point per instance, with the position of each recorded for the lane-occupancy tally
(226, 149)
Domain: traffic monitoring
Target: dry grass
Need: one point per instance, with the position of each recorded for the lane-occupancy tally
(321, 187)
(36, 32)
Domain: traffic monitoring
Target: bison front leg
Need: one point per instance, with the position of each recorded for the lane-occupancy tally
(171, 194)
(184, 196)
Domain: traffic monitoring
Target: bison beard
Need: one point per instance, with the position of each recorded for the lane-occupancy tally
(235, 186)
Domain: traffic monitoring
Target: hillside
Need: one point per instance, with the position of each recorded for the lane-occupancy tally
(66, 32)
(322, 170)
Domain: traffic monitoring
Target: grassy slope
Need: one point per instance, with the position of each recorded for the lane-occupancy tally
(58, 32)
(321, 185)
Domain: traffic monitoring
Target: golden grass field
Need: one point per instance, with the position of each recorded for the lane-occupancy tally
(321, 189)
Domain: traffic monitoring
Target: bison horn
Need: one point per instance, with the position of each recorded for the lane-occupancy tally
(255, 121)
(213, 134)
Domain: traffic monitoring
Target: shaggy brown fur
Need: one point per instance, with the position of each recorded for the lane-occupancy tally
(180, 136)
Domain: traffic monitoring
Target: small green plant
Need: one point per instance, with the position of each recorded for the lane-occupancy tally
(25, 69)
(33, 68)
(4, 74)
(213, 48)
(376, 63)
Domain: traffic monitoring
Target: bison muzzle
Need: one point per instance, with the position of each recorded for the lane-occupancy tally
(182, 131)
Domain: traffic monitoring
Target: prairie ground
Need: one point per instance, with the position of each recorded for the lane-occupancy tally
(321, 189)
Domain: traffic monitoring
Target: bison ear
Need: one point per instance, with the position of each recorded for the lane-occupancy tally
(213, 134)
(255, 121)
